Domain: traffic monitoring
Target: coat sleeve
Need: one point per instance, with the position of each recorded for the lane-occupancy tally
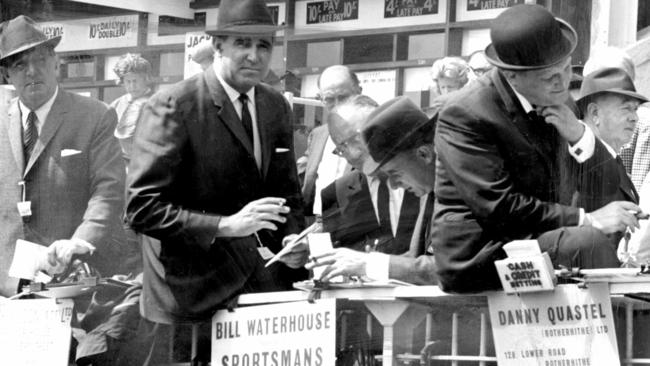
(160, 139)
(420, 270)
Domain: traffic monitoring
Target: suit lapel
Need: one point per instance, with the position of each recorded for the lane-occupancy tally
(227, 113)
(15, 134)
(265, 123)
(517, 116)
(54, 120)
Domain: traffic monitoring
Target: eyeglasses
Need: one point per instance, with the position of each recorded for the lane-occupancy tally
(344, 146)
(331, 100)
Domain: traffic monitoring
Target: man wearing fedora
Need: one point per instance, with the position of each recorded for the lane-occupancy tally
(62, 182)
(399, 139)
(505, 147)
(609, 101)
(214, 178)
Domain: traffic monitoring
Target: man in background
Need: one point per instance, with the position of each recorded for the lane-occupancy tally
(336, 84)
(62, 184)
(361, 211)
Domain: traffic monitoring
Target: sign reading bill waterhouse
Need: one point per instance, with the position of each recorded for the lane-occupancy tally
(570, 326)
(295, 333)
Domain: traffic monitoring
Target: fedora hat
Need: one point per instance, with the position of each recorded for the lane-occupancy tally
(610, 80)
(21, 34)
(393, 127)
(529, 37)
(244, 17)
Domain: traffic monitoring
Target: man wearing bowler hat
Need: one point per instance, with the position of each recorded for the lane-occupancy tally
(505, 147)
(214, 178)
(62, 181)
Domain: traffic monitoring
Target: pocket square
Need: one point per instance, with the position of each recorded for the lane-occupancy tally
(69, 152)
(281, 149)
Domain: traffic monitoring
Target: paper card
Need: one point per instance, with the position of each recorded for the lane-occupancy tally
(35, 332)
(522, 248)
(28, 258)
(319, 244)
(526, 274)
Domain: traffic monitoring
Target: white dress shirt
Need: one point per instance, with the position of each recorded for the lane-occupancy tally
(396, 196)
(330, 168)
(41, 112)
(233, 95)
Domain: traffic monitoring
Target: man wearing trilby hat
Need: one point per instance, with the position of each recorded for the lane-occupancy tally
(213, 177)
(503, 148)
(62, 181)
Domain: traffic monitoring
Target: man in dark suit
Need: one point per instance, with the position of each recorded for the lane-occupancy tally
(59, 160)
(609, 101)
(214, 178)
(400, 136)
(336, 84)
(504, 144)
(361, 211)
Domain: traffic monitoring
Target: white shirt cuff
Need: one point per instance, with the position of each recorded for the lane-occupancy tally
(584, 148)
(581, 220)
(377, 266)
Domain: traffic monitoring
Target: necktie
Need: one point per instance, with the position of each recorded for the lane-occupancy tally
(246, 119)
(383, 207)
(30, 135)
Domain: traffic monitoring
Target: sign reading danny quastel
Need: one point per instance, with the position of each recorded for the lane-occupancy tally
(295, 333)
(568, 326)
(332, 11)
(409, 8)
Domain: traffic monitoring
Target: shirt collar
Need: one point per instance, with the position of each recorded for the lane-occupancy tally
(522, 100)
(233, 94)
(42, 111)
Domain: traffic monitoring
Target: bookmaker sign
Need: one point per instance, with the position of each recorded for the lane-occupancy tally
(294, 333)
(94, 33)
(332, 11)
(409, 8)
(570, 326)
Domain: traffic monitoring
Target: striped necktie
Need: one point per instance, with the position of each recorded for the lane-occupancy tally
(30, 135)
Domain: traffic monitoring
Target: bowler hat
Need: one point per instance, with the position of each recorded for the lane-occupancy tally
(609, 80)
(528, 37)
(393, 127)
(244, 17)
(21, 34)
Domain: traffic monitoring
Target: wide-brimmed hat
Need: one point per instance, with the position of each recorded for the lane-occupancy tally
(529, 37)
(21, 34)
(393, 127)
(610, 80)
(244, 17)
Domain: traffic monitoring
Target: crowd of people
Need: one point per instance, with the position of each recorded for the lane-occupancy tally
(197, 186)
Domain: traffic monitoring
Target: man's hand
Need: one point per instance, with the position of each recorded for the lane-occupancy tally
(298, 255)
(255, 216)
(564, 120)
(615, 217)
(340, 262)
(59, 253)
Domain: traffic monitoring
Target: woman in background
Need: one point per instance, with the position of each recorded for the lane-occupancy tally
(134, 72)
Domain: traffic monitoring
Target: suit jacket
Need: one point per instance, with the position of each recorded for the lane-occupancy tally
(315, 149)
(498, 179)
(193, 163)
(79, 193)
(349, 216)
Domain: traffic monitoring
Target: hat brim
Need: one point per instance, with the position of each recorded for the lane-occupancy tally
(248, 29)
(580, 102)
(54, 41)
(568, 33)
